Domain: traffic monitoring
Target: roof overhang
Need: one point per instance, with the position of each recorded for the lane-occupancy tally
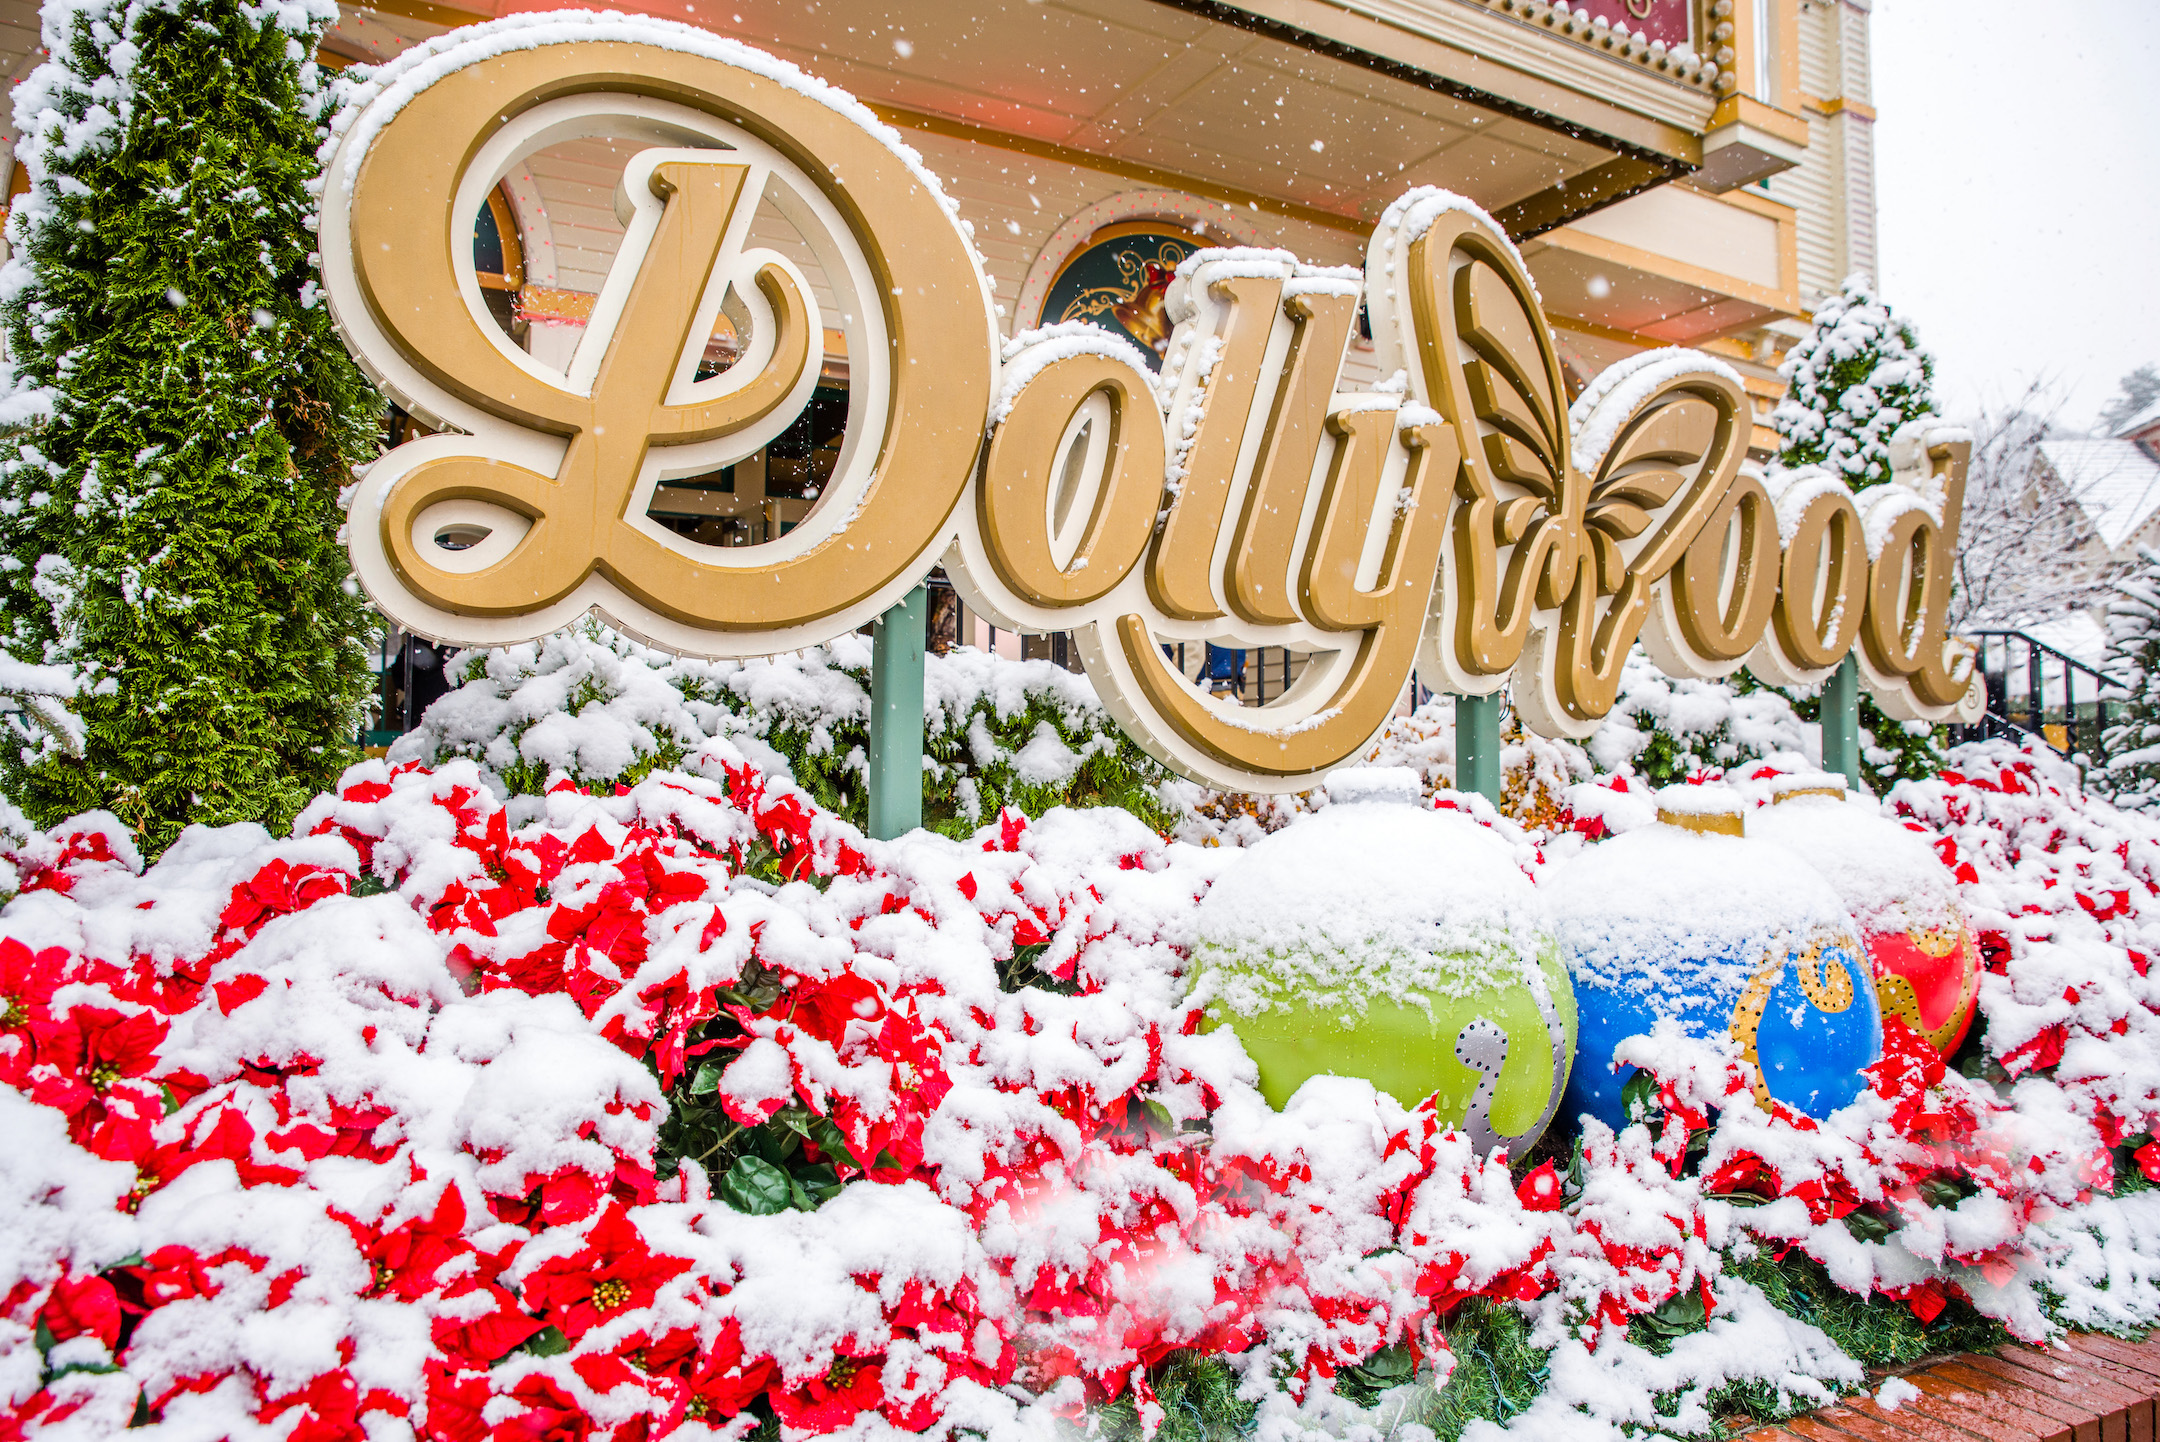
(1312, 106)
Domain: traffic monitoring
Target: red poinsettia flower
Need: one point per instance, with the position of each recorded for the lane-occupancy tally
(1540, 1189)
(175, 1274)
(826, 1009)
(724, 1382)
(333, 1409)
(479, 1342)
(828, 1402)
(85, 1061)
(27, 981)
(279, 889)
(406, 1259)
(551, 1415)
(82, 1306)
(615, 1270)
(454, 1401)
(95, 1046)
(227, 1136)
(537, 973)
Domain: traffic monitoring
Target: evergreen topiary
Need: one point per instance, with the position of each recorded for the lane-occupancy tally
(2133, 742)
(1856, 378)
(169, 514)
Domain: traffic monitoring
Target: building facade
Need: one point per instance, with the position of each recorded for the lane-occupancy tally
(1677, 172)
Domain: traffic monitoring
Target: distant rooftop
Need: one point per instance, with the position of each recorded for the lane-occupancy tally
(2116, 483)
(2145, 420)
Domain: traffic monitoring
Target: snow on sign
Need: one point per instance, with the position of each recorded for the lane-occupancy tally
(1462, 520)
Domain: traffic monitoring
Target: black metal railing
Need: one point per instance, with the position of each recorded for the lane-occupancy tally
(2038, 690)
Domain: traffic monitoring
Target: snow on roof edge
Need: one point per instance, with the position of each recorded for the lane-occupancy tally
(2115, 483)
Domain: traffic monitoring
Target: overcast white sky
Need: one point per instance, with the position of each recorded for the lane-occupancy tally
(2019, 154)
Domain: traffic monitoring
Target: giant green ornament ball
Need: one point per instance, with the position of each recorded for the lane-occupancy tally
(1385, 940)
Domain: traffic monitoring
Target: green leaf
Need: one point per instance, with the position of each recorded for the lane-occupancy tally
(1159, 1118)
(756, 1186)
(1639, 1095)
(1940, 1192)
(1390, 1366)
(706, 1081)
(92, 1367)
(1869, 1226)
(775, 1144)
(547, 1342)
(1680, 1313)
(820, 1132)
(820, 1181)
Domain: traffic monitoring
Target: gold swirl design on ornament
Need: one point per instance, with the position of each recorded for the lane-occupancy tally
(1747, 1020)
(1895, 995)
(1825, 979)
(1939, 941)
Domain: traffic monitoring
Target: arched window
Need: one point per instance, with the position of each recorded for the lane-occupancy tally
(499, 259)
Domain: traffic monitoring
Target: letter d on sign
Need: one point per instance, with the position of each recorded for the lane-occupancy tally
(556, 468)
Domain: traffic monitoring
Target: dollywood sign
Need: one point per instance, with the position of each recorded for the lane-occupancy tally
(1467, 524)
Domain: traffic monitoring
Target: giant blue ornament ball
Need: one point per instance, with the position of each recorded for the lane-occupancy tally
(1689, 921)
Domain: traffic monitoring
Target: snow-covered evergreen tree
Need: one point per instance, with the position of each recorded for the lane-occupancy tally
(2134, 396)
(1857, 377)
(2133, 741)
(185, 418)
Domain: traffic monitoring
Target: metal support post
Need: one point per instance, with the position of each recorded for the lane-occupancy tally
(1477, 745)
(897, 640)
(1841, 721)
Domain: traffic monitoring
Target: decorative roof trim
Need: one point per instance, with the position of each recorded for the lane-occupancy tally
(1681, 65)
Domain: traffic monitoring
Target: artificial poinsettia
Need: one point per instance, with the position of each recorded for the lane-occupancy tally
(82, 1306)
(830, 1400)
(613, 1271)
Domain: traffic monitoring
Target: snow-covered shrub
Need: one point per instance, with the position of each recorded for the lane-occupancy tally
(2132, 775)
(1662, 729)
(592, 704)
(382, 1125)
(672, 1110)
(1666, 728)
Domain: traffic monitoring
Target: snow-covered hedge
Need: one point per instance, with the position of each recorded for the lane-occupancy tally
(598, 707)
(671, 1109)
(1661, 730)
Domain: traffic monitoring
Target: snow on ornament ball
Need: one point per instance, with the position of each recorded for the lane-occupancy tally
(1692, 921)
(1920, 945)
(1384, 940)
